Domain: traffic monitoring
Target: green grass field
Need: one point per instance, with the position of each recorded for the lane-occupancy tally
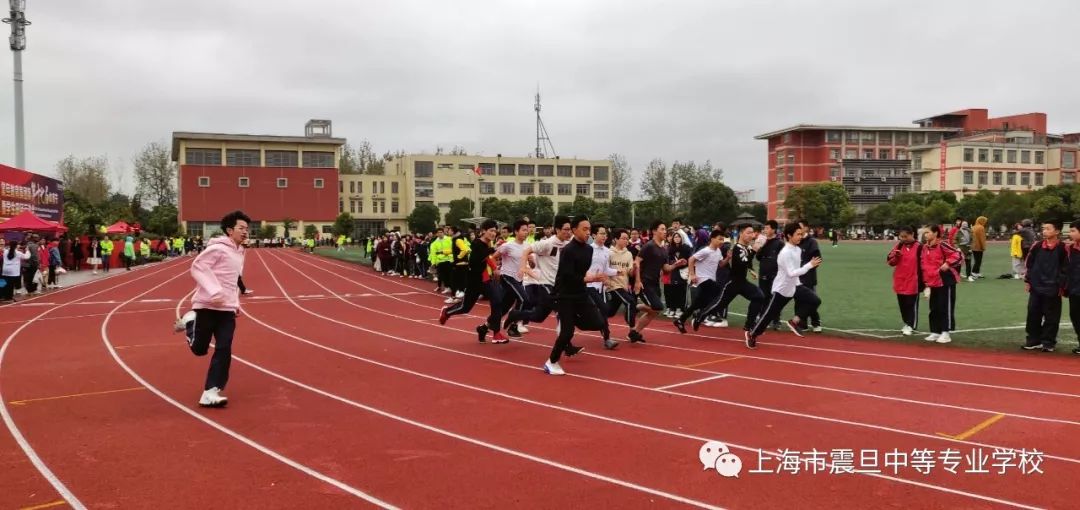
(855, 286)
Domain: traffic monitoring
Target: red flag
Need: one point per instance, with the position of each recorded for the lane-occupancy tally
(477, 170)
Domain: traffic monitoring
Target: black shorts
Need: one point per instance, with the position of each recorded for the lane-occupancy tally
(650, 295)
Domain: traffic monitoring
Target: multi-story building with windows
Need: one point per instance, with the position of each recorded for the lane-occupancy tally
(959, 152)
(382, 202)
(872, 163)
(270, 178)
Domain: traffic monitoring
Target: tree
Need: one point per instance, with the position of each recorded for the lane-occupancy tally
(460, 209)
(311, 231)
(163, 220)
(1050, 208)
(1008, 208)
(155, 174)
(349, 162)
(288, 224)
(497, 209)
(458, 151)
(648, 211)
(711, 202)
(939, 212)
(581, 205)
(538, 209)
(87, 177)
(423, 219)
(619, 212)
(973, 206)
(267, 231)
(824, 205)
(654, 182)
(759, 210)
(907, 214)
(880, 215)
(621, 176)
(343, 224)
(945, 196)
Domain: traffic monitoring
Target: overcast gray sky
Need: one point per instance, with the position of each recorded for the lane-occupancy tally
(678, 80)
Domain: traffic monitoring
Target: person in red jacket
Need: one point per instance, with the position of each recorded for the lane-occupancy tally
(904, 258)
(939, 264)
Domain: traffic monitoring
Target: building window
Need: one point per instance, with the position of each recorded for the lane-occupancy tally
(600, 173)
(916, 184)
(1012, 156)
(969, 155)
(282, 159)
(450, 166)
(834, 172)
(1068, 159)
(528, 170)
(1010, 179)
(997, 155)
(884, 154)
(506, 169)
(869, 172)
(1038, 157)
(241, 157)
(464, 166)
(851, 154)
(341, 205)
(583, 172)
(282, 182)
(393, 188)
(851, 137)
(790, 158)
(360, 187)
(360, 206)
(320, 183)
(901, 154)
(564, 189)
(341, 186)
(885, 138)
(393, 207)
(526, 188)
(487, 188)
(969, 177)
(851, 172)
(918, 163)
(1038, 178)
(244, 182)
(983, 177)
(834, 154)
(207, 157)
(780, 175)
(918, 138)
(779, 158)
(582, 189)
(546, 188)
(352, 206)
(317, 159)
(997, 178)
(443, 185)
(424, 189)
(868, 154)
(466, 185)
(832, 136)
(423, 169)
(204, 182)
(868, 137)
(565, 171)
(352, 187)
(933, 137)
(487, 168)
(901, 138)
(506, 188)
(1025, 157)
(545, 170)
(786, 138)
(868, 190)
(1068, 178)
(984, 155)
(1025, 179)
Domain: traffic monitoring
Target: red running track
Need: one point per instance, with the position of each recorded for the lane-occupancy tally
(345, 393)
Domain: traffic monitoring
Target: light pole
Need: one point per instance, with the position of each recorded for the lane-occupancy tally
(18, 24)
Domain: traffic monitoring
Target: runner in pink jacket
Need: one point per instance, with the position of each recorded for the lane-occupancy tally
(216, 304)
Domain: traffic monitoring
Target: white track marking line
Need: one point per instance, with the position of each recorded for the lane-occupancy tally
(575, 411)
(773, 381)
(231, 433)
(354, 268)
(21, 440)
(695, 381)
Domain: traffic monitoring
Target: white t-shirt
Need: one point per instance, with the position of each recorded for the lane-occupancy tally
(546, 255)
(510, 261)
(601, 256)
(706, 261)
(789, 271)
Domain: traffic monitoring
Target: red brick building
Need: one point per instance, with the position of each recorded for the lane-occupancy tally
(270, 178)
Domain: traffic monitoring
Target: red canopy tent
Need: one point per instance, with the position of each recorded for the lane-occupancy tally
(120, 227)
(27, 220)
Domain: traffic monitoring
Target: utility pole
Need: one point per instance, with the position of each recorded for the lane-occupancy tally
(18, 24)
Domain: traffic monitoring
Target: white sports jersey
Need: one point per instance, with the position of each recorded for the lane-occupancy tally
(789, 271)
(510, 257)
(601, 264)
(706, 261)
(546, 256)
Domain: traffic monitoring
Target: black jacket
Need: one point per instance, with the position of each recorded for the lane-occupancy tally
(1074, 270)
(767, 258)
(810, 250)
(574, 262)
(1047, 268)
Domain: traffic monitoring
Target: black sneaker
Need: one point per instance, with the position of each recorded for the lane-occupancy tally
(635, 337)
(696, 323)
(794, 327)
(573, 350)
(751, 342)
(1048, 348)
(679, 326)
(610, 344)
(512, 331)
(1076, 350)
(775, 326)
(481, 332)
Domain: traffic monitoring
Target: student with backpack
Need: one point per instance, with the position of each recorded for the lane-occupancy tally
(940, 270)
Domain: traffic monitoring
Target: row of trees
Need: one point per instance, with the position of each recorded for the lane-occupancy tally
(1052, 203)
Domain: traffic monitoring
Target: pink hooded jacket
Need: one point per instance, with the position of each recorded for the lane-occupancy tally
(216, 271)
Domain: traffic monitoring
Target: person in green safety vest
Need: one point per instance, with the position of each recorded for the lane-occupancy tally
(106, 253)
(440, 254)
(144, 250)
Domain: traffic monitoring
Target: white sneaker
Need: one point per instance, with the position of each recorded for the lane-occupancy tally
(521, 328)
(721, 324)
(553, 368)
(182, 322)
(971, 278)
(944, 338)
(213, 398)
(460, 294)
(933, 337)
(710, 324)
(449, 300)
(907, 331)
(817, 329)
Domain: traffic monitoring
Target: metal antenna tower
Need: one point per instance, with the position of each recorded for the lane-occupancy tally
(18, 23)
(542, 138)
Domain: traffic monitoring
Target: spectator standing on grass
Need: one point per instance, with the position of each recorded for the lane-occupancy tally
(940, 270)
(904, 259)
(978, 246)
(1016, 251)
(1073, 282)
(963, 243)
(216, 304)
(1046, 279)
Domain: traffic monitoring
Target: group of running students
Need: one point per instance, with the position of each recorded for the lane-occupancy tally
(586, 274)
